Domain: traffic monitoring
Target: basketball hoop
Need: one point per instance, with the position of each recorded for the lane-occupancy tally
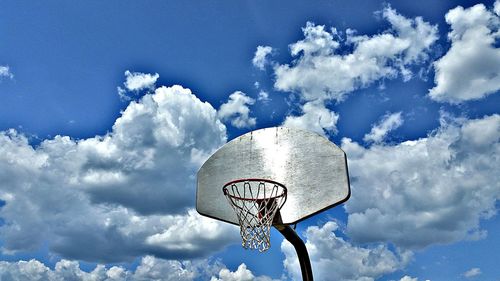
(256, 202)
(312, 177)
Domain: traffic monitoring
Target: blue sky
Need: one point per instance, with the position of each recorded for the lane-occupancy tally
(109, 108)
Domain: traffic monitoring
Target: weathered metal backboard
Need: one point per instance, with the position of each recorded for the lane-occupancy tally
(313, 169)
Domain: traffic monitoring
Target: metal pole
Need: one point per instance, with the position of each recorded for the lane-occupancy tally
(300, 248)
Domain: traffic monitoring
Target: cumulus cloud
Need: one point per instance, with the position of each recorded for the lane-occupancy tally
(5, 72)
(388, 123)
(315, 117)
(136, 82)
(320, 73)
(473, 272)
(408, 278)
(148, 160)
(327, 251)
(236, 109)
(260, 58)
(241, 274)
(263, 96)
(192, 233)
(150, 268)
(114, 197)
(471, 68)
(428, 191)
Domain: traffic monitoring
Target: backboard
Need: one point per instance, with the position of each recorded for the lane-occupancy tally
(313, 170)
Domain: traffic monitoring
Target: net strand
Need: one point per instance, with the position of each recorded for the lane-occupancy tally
(255, 210)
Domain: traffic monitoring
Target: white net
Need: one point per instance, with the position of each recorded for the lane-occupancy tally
(256, 202)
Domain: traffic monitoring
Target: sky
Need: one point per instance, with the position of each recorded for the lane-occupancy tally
(109, 108)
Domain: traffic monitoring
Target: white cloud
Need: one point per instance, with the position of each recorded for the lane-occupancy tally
(150, 268)
(388, 123)
(419, 35)
(151, 149)
(263, 96)
(241, 274)
(432, 190)
(114, 197)
(155, 269)
(236, 109)
(192, 233)
(315, 117)
(471, 68)
(136, 82)
(408, 278)
(260, 58)
(349, 262)
(23, 270)
(319, 73)
(5, 72)
(473, 272)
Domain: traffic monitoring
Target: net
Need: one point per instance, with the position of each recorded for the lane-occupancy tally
(256, 203)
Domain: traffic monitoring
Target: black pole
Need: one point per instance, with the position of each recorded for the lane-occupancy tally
(300, 248)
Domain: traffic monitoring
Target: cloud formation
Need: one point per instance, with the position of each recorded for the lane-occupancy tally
(241, 274)
(136, 82)
(148, 160)
(470, 69)
(388, 123)
(408, 278)
(5, 72)
(473, 272)
(315, 117)
(260, 58)
(333, 258)
(263, 97)
(114, 197)
(321, 73)
(236, 109)
(150, 268)
(428, 191)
